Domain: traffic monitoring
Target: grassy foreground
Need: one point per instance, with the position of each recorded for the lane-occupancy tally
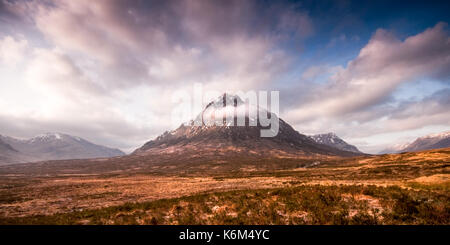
(305, 204)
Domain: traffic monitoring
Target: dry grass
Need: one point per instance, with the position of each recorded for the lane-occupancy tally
(28, 194)
(56, 195)
(308, 204)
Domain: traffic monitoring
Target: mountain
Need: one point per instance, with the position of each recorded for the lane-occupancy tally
(333, 140)
(201, 138)
(428, 142)
(57, 146)
(7, 153)
(198, 147)
(10, 155)
(4, 147)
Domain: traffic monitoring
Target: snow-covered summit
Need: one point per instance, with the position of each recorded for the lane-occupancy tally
(46, 137)
(224, 109)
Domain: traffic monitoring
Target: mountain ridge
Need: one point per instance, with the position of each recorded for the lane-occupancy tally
(427, 142)
(55, 146)
(200, 135)
(331, 139)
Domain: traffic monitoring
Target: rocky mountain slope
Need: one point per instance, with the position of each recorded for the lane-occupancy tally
(333, 140)
(202, 137)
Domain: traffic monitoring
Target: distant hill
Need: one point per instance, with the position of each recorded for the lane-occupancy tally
(333, 140)
(51, 146)
(8, 154)
(428, 142)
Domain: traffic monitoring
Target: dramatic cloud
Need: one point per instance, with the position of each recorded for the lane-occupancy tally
(106, 69)
(12, 51)
(381, 66)
(55, 72)
(141, 42)
(120, 61)
(358, 95)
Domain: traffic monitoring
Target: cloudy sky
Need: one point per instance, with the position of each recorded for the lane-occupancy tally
(376, 73)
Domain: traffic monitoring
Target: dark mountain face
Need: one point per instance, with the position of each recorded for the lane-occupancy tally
(56, 146)
(207, 138)
(333, 140)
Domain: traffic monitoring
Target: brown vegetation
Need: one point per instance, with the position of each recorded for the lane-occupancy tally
(408, 188)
